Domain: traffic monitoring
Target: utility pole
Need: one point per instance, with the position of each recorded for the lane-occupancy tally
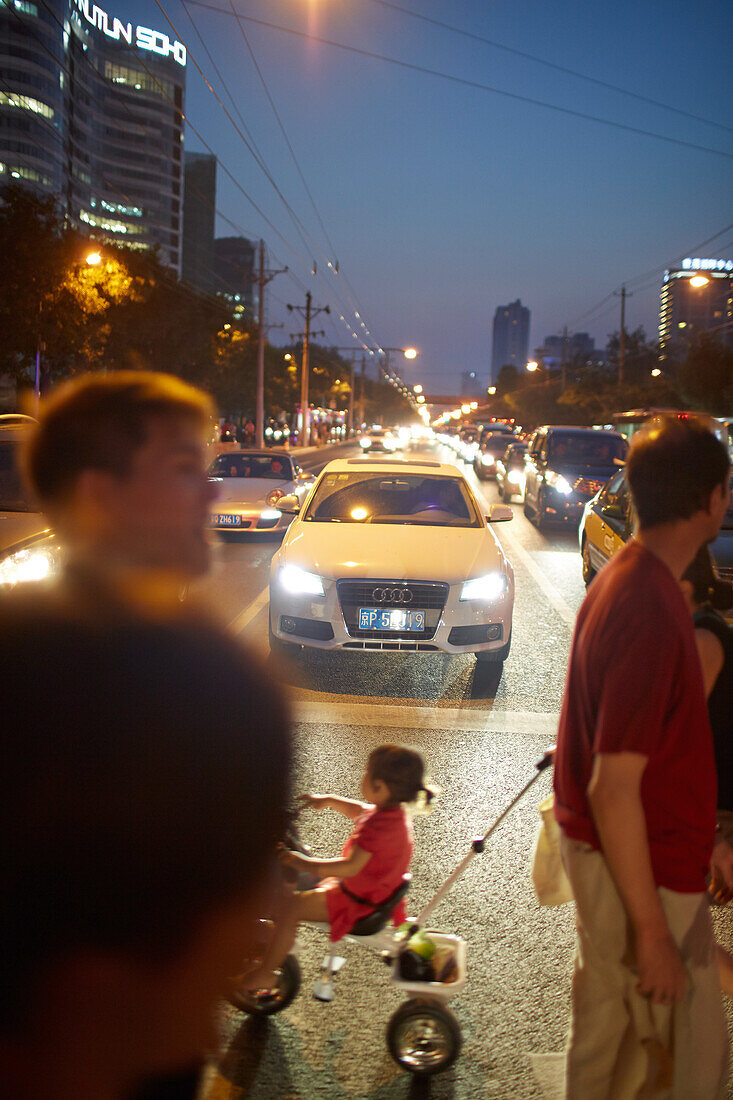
(622, 335)
(350, 431)
(308, 312)
(263, 279)
(362, 392)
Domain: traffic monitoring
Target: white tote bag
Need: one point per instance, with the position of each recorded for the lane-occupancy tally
(551, 884)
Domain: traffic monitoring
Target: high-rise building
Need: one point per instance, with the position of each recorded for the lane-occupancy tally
(91, 112)
(234, 263)
(199, 202)
(510, 338)
(695, 297)
(577, 345)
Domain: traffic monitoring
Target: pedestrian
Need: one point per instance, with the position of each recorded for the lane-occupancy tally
(249, 434)
(374, 860)
(706, 596)
(118, 464)
(145, 763)
(635, 795)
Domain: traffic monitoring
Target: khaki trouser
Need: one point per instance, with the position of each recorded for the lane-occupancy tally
(621, 1046)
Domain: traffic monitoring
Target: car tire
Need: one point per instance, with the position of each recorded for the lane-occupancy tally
(527, 508)
(588, 571)
(494, 656)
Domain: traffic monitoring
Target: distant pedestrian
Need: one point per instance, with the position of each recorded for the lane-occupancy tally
(145, 763)
(249, 434)
(635, 795)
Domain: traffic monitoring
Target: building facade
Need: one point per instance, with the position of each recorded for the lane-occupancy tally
(510, 342)
(234, 263)
(695, 297)
(578, 345)
(91, 111)
(199, 216)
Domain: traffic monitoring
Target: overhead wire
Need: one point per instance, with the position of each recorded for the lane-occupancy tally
(551, 64)
(301, 228)
(465, 82)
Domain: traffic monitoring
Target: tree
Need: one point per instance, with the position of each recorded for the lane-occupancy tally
(706, 376)
(640, 358)
(508, 379)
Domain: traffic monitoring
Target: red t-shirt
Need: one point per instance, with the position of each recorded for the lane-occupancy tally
(635, 685)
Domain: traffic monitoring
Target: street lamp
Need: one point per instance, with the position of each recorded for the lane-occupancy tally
(94, 258)
(656, 372)
(409, 353)
(699, 280)
(417, 389)
(491, 391)
(533, 365)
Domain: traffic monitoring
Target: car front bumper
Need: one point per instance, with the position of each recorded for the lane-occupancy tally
(252, 521)
(463, 626)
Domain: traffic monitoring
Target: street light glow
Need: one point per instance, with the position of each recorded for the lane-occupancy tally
(474, 404)
(417, 388)
(411, 353)
(656, 372)
(532, 365)
(465, 409)
(491, 390)
(94, 258)
(699, 280)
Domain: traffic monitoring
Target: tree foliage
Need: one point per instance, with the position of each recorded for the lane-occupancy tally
(706, 376)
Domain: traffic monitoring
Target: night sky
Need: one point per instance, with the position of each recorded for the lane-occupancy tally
(443, 201)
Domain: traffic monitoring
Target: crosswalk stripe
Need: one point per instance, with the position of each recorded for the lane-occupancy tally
(246, 616)
(391, 716)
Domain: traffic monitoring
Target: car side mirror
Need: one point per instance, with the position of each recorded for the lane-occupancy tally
(289, 505)
(499, 513)
(612, 511)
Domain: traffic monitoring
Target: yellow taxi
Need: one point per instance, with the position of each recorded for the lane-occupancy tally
(605, 526)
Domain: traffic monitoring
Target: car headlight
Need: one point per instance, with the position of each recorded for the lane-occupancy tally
(390, 445)
(559, 483)
(270, 513)
(299, 582)
(487, 588)
(273, 497)
(487, 460)
(515, 477)
(27, 565)
(365, 443)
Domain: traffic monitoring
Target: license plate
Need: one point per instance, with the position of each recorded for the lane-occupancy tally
(392, 618)
(228, 521)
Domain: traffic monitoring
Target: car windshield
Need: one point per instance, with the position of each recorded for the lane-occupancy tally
(586, 449)
(272, 468)
(515, 454)
(13, 497)
(392, 498)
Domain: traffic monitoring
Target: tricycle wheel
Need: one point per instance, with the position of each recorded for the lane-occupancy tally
(423, 1037)
(261, 1004)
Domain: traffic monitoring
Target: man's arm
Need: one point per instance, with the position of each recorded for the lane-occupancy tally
(614, 793)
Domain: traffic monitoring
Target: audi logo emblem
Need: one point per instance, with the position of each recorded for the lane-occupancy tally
(392, 595)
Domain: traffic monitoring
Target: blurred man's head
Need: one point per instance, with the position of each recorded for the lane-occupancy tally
(678, 471)
(146, 770)
(118, 464)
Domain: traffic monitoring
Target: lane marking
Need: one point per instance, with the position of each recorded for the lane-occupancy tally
(245, 617)
(463, 719)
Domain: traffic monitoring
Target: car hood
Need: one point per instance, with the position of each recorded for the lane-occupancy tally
(16, 527)
(378, 551)
(246, 490)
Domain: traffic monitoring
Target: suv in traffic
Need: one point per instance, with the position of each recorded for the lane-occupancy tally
(565, 467)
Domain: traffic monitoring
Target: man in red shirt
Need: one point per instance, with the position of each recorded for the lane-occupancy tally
(635, 796)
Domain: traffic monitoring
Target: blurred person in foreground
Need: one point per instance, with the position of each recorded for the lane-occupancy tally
(635, 795)
(707, 596)
(118, 464)
(146, 768)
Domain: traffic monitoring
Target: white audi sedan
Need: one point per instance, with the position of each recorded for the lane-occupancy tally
(391, 554)
(250, 485)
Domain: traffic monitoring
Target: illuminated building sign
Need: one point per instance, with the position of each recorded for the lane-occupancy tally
(706, 265)
(142, 37)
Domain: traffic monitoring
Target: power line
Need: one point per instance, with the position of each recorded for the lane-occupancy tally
(477, 85)
(551, 64)
(300, 227)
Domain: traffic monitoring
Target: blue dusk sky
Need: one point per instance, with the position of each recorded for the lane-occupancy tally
(442, 200)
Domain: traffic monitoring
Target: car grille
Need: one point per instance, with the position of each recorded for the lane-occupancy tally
(426, 596)
(588, 486)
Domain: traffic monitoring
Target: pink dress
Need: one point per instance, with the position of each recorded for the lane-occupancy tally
(387, 834)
